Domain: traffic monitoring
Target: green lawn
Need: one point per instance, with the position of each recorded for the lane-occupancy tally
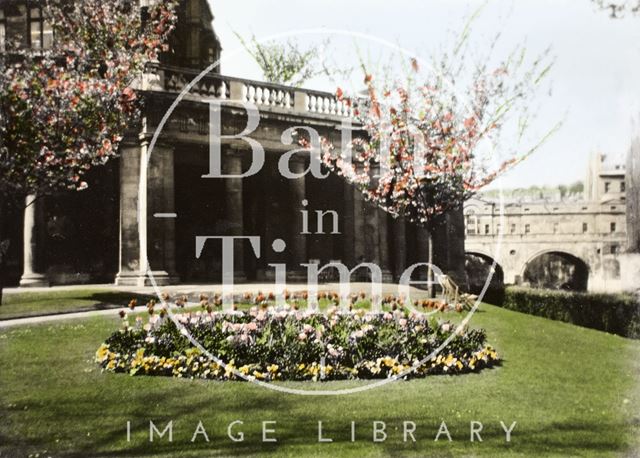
(32, 303)
(570, 389)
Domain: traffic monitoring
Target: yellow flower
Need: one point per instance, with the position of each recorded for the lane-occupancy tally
(102, 352)
(449, 360)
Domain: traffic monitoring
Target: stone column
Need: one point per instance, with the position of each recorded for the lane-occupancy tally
(440, 244)
(371, 238)
(161, 208)
(32, 246)
(359, 226)
(270, 181)
(383, 246)
(400, 247)
(298, 241)
(455, 248)
(422, 245)
(133, 215)
(348, 226)
(234, 208)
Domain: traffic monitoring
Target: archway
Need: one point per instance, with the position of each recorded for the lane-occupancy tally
(478, 268)
(556, 270)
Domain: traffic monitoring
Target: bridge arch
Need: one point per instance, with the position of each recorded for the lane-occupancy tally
(556, 268)
(478, 267)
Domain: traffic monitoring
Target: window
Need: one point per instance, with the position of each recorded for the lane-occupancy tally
(472, 224)
(585, 228)
(498, 228)
(527, 228)
(24, 26)
(607, 186)
(486, 228)
(612, 227)
(15, 22)
(622, 186)
(513, 228)
(614, 249)
(41, 31)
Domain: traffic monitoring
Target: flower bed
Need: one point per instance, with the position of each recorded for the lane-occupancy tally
(284, 343)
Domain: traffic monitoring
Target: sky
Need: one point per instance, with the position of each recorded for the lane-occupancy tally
(594, 82)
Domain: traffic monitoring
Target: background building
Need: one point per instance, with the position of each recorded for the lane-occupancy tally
(570, 243)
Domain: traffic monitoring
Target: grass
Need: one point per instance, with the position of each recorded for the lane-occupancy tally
(32, 303)
(570, 389)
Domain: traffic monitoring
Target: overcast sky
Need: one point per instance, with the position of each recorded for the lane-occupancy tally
(595, 79)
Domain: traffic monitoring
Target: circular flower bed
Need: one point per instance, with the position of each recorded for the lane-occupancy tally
(284, 343)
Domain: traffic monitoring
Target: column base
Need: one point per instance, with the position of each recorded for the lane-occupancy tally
(134, 278)
(265, 274)
(33, 280)
(239, 277)
(297, 276)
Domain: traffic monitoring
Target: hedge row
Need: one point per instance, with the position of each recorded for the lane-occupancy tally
(614, 313)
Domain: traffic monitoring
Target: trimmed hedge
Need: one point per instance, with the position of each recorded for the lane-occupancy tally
(614, 313)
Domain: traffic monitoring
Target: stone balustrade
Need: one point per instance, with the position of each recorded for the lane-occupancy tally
(262, 94)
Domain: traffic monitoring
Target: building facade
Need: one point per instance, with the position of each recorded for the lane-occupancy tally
(133, 218)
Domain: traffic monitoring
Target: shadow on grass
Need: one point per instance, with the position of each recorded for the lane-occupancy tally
(30, 304)
(566, 439)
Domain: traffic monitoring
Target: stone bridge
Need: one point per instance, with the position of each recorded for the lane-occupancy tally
(588, 236)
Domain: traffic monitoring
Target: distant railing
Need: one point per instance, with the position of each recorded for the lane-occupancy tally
(263, 94)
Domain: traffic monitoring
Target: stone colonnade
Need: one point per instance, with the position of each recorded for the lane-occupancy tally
(147, 225)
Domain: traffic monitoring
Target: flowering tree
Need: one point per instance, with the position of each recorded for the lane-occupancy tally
(65, 109)
(426, 149)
